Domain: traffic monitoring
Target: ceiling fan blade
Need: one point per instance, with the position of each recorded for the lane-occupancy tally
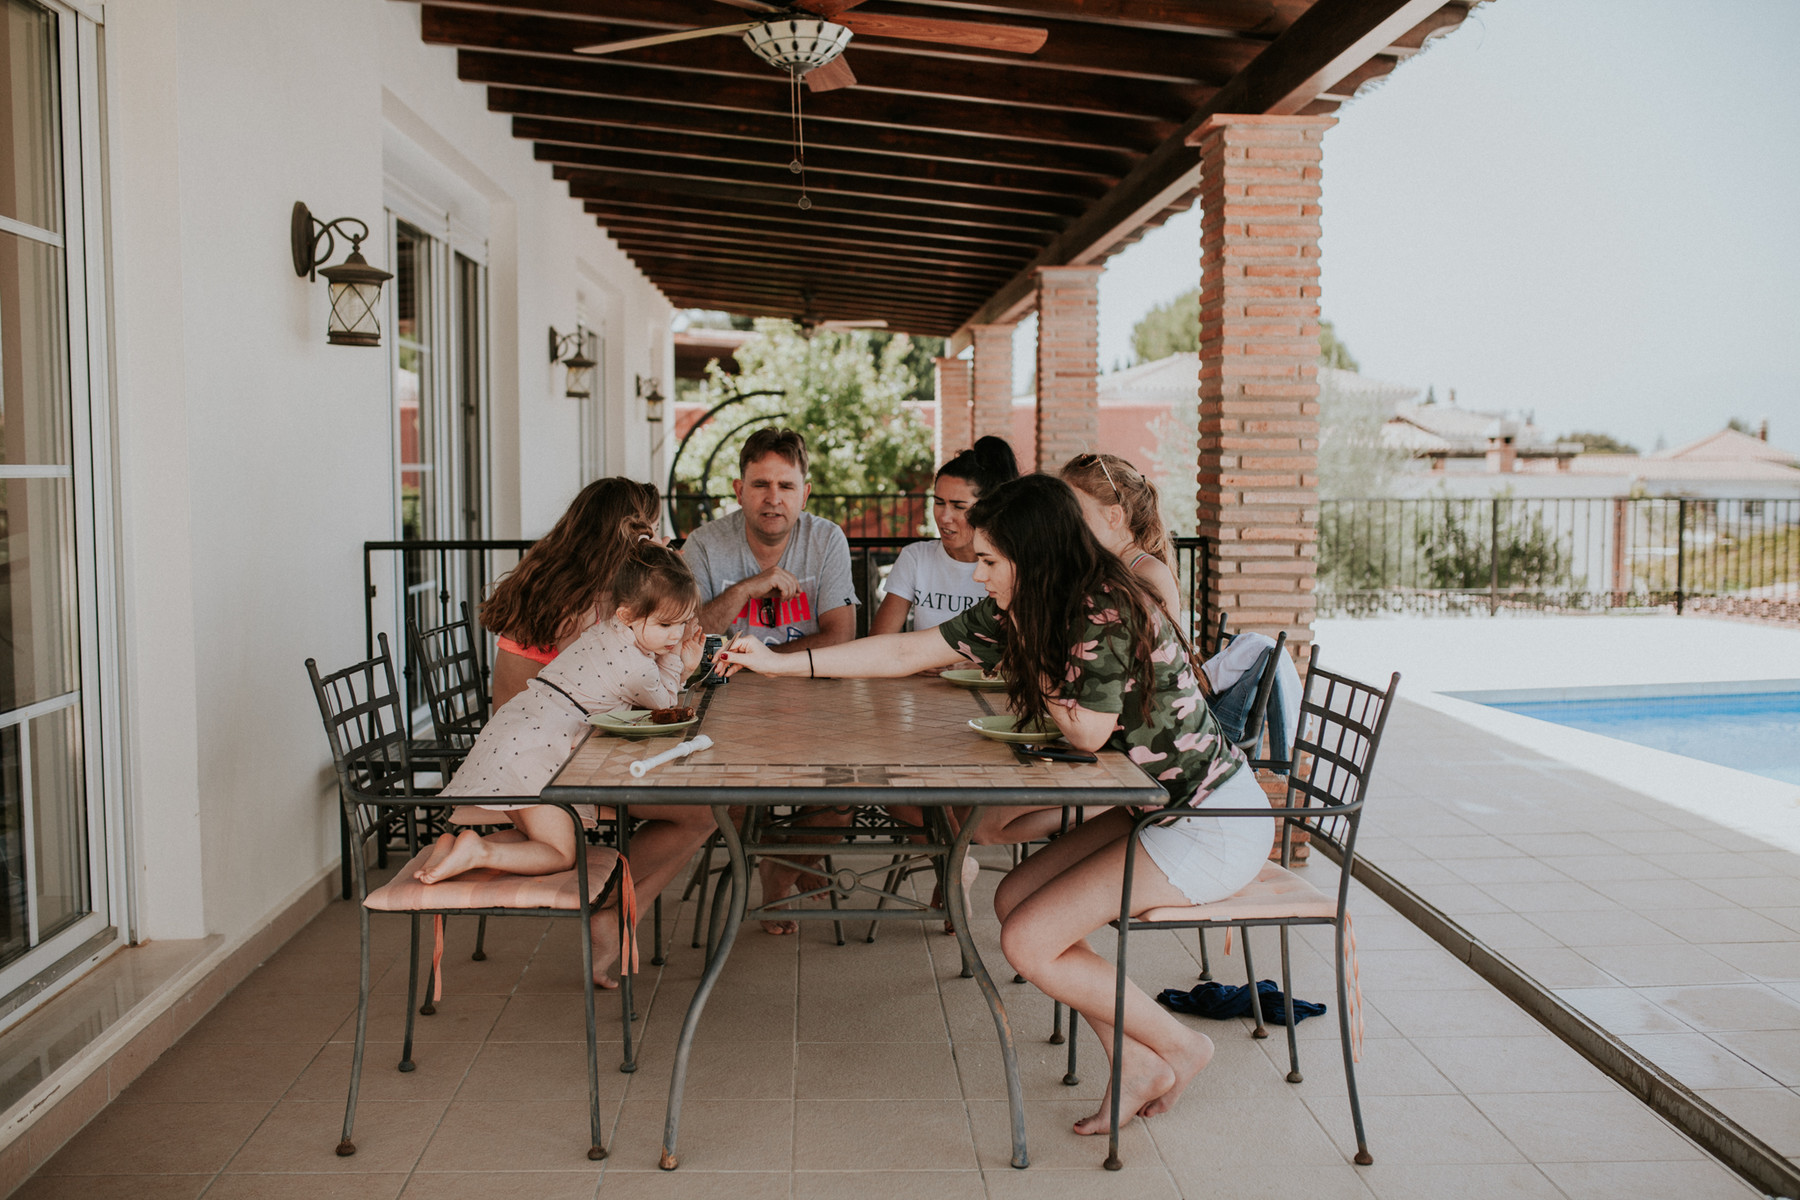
(829, 9)
(832, 76)
(685, 35)
(1015, 39)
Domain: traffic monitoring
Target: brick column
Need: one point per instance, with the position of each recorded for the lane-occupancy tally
(1068, 364)
(1259, 348)
(953, 415)
(993, 386)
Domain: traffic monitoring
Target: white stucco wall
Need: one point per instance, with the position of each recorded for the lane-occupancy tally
(254, 458)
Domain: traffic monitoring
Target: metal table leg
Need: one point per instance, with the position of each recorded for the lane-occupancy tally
(715, 965)
(953, 898)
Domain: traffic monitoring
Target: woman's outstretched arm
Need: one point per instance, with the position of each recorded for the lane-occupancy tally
(886, 657)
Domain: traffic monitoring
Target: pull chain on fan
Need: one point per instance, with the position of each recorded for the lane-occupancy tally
(800, 45)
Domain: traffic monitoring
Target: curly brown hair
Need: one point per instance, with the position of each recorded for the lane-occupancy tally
(566, 574)
(655, 581)
(1059, 570)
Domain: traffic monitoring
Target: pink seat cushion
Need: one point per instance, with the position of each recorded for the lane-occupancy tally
(1275, 892)
(483, 888)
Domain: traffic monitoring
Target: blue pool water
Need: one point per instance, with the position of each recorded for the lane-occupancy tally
(1759, 733)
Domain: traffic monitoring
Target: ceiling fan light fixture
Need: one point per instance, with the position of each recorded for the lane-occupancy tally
(798, 44)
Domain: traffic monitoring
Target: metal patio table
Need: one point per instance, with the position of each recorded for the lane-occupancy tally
(861, 744)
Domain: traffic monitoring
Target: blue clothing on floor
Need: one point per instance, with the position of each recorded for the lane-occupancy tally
(1221, 1002)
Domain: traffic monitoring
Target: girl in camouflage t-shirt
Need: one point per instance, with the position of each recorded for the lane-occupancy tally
(1082, 644)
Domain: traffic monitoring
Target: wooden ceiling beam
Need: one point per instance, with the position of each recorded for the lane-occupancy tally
(1115, 51)
(780, 183)
(658, 203)
(773, 297)
(598, 185)
(616, 219)
(806, 276)
(878, 70)
(744, 93)
(1258, 18)
(737, 152)
(1327, 42)
(1109, 164)
(926, 260)
(802, 255)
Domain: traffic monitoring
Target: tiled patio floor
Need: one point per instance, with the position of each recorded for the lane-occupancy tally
(861, 1071)
(1677, 934)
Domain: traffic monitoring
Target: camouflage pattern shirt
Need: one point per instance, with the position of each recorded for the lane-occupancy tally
(1177, 742)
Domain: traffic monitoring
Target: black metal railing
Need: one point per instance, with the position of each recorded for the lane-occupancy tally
(1582, 554)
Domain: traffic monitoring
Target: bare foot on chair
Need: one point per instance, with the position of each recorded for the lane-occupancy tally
(464, 854)
(1189, 1063)
(603, 932)
(439, 849)
(1144, 1078)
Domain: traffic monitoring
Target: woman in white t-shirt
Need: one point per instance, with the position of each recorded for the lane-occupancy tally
(935, 581)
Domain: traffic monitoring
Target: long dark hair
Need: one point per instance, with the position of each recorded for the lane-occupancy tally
(568, 571)
(1059, 573)
(984, 466)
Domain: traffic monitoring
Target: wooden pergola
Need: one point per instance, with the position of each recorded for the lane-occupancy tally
(945, 176)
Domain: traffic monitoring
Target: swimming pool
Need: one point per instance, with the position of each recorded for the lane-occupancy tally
(1749, 727)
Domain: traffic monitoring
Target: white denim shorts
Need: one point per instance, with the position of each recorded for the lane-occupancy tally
(1210, 858)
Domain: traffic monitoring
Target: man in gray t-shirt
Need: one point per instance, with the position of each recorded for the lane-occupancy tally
(770, 569)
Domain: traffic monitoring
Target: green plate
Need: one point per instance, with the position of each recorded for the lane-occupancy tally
(975, 680)
(620, 722)
(1004, 728)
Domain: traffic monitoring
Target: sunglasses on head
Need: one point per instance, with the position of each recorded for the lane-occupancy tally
(1091, 459)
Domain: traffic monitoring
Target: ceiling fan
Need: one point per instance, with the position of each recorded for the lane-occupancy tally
(808, 37)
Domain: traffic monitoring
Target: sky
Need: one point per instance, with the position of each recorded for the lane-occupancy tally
(1585, 210)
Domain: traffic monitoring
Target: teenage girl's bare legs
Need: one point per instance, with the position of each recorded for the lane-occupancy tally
(1048, 906)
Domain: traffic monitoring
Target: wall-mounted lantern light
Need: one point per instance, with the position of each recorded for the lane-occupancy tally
(355, 286)
(650, 391)
(570, 349)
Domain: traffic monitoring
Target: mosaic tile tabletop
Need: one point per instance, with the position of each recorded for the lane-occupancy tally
(889, 740)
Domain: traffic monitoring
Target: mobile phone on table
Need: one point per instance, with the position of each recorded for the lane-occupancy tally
(1055, 755)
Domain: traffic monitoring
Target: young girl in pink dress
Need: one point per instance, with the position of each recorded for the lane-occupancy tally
(638, 657)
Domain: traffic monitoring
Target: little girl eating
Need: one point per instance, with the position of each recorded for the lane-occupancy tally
(638, 657)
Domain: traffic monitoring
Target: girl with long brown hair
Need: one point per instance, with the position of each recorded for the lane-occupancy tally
(1124, 513)
(560, 586)
(1084, 643)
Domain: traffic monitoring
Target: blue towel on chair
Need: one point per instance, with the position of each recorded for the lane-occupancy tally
(1221, 1001)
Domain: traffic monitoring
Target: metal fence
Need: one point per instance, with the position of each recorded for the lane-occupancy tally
(1445, 555)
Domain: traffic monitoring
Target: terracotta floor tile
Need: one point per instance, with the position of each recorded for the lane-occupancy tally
(1491, 1181)
(505, 1071)
(877, 1071)
(138, 1187)
(888, 1185)
(520, 1135)
(1611, 1180)
(306, 1187)
(438, 1070)
(302, 1136)
(1585, 1128)
(158, 1139)
(887, 1134)
(221, 1071)
(716, 1135)
(460, 1017)
(1039, 1183)
(505, 1185)
(689, 1184)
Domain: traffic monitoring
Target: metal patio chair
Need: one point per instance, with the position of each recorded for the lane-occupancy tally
(453, 678)
(1341, 722)
(364, 723)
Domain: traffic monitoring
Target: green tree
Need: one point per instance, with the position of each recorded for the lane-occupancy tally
(1168, 328)
(1174, 328)
(846, 391)
(1332, 352)
(1599, 443)
(1354, 462)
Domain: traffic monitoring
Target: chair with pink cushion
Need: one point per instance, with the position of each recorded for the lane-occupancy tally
(365, 725)
(1341, 721)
